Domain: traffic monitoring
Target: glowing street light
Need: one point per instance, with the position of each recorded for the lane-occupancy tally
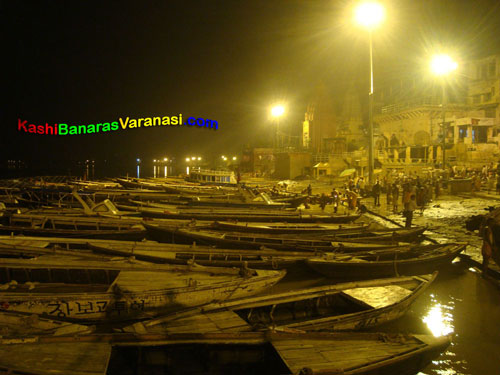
(165, 159)
(199, 158)
(277, 111)
(234, 157)
(369, 15)
(188, 159)
(441, 66)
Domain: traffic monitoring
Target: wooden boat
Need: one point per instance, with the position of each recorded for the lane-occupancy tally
(75, 358)
(203, 255)
(131, 234)
(385, 263)
(385, 235)
(153, 252)
(237, 240)
(74, 226)
(333, 232)
(338, 307)
(108, 290)
(296, 353)
(248, 215)
(285, 228)
(14, 324)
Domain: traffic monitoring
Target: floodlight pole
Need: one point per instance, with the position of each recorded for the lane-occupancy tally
(370, 115)
(444, 128)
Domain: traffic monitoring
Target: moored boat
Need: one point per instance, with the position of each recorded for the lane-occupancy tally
(119, 289)
(386, 263)
(350, 353)
(338, 307)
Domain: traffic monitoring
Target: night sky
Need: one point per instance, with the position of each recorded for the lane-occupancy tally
(85, 62)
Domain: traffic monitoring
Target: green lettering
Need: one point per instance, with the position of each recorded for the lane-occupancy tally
(114, 126)
(106, 127)
(91, 128)
(73, 129)
(62, 129)
(82, 129)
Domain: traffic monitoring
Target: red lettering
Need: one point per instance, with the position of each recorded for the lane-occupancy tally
(22, 125)
(47, 128)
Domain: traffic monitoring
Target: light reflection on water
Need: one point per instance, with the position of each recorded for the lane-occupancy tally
(440, 323)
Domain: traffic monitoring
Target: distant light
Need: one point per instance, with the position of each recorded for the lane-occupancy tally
(223, 157)
(369, 15)
(277, 111)
(187, 159)
(154, 160)
(193, 158)
(443, 64)
(165, 159)
(138, 160)
(199, 158)
(234, 157)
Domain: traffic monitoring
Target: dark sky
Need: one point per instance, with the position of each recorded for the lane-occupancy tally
(84, 62)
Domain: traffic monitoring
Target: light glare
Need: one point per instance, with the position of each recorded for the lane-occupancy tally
(369, 14)
(277, 111)
(443, 64)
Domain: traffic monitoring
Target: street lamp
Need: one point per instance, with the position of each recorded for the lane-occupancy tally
(369, 15)
(277, 111)
(442, 65)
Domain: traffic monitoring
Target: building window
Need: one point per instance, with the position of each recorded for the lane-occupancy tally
(490, 112)
(487, 97)
(492, 69)
(484, 71)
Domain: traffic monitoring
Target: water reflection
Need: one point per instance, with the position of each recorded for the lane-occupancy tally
(439, 323)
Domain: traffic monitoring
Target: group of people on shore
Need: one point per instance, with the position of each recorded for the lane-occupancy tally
(412, 192)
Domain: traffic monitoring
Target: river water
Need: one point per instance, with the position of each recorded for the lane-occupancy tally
(460, 301)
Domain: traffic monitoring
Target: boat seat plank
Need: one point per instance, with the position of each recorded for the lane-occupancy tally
(378, 297)
(68, 359)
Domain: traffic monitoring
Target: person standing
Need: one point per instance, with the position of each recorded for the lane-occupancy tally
(362, 186)
(352, 199)
(335, 200)
(488, 243)
(395, 197)
(323, 200)
(376, 193)
(412, 206)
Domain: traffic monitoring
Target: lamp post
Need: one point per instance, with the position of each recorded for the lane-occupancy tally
(277, 111)
(442, 65)
(369, 15)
